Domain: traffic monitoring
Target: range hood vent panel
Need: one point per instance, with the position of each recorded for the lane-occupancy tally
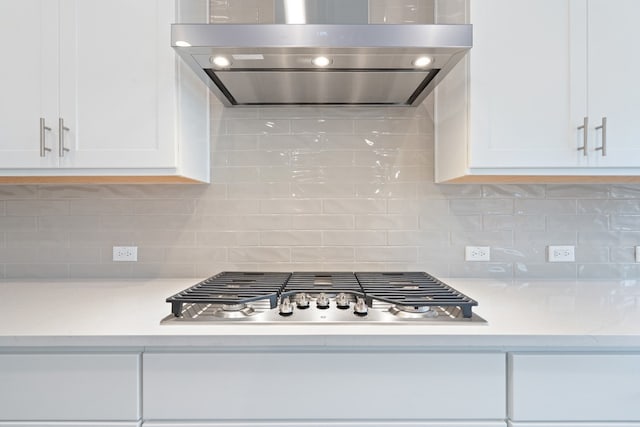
(370, 64)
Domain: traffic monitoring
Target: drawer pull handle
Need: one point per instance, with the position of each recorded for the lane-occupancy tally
(603, 127)
(585, 135)
(43, 128)
(62, 128)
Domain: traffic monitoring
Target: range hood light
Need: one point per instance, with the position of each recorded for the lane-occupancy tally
(182, 43)
(221, 61)
(321, 61)
(422, 62)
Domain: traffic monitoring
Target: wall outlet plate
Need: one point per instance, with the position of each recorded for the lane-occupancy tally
(477, 253)
(125, 253)
(561, 253)
(637, 253)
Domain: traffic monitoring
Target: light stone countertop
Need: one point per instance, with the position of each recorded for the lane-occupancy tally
(521, 315)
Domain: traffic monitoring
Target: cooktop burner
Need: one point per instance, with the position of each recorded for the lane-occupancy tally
(327, 297)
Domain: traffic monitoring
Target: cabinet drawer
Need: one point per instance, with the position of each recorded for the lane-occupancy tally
(572, 387)
(331, 385)
(69, 387)
(332, 424)
(70, 424)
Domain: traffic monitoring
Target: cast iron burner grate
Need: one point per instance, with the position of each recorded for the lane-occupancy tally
(232, 288)
(331, 283)
(413, 289)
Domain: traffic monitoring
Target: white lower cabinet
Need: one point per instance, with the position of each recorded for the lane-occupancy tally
(326, 388)
(69, 424)
(70, 387)
(329, 424)
(568, 388)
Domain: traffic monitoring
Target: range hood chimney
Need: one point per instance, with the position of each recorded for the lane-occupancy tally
(320, 63)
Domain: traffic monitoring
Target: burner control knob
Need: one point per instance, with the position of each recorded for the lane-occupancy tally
(323, 301)
(302, 301)
(342, 301)
(286, 308)
(360, 309)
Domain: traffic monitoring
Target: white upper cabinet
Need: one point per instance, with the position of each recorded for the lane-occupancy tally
(538, 72)
(105, 81)
(29, 82)
(115, 86)
(613, 89)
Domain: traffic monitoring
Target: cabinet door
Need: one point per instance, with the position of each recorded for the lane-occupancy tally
(117, 84)
(29, 82)
(574, 387)
(521, 107)
(614, 91)
(324, 386)
(69, 387)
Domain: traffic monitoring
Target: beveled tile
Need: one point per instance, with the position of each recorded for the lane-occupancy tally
(291, 238)
(578, 222)
(257, 126)
(36, 207)
(354, 238)
(354, 206)
(18, 223)
(481, 206)
(386, 254)
(386, 222)
(260, 254)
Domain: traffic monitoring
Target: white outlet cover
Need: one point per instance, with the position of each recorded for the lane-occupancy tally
(477, 253)
(564, 253)
(637, 253)
(125, 253)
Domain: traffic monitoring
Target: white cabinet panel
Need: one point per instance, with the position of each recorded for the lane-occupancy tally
(520, 105)
(69, 424)
(69, 387)
(116, 94)
(559, 424)
(329, 386)
(574, 387)
(613, 90)
(329, 424)
(28, 86)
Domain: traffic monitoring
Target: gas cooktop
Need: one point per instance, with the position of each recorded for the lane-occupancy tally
(327, 297)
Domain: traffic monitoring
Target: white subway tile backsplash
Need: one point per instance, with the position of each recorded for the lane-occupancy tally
(291, 238)
(625, 222)
(541, 207)
(386, 254)
(577, 222)
(321, 126)
(319, 188)
(386, 222)
(323, 222)
(257, 126)
(18, 223)
(36, 207)
(355, 206)
(481, 206)
(291, 206)
(354, 238)
(439, 239)
(609, 206)
(322, 254)
(260, 254)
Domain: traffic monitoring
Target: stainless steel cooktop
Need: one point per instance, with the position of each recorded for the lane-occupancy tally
(321, 297)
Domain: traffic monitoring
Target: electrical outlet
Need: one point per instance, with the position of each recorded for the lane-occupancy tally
(561, 254)
(477, 253)
(637, 253)
(125, 253)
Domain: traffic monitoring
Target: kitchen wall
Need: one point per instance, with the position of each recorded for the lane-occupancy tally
(318, 189)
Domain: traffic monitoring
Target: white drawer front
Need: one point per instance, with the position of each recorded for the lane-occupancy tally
(330, 424)
(572, 387)
(69, 387)
(563, 424)
(307, 386)
(69, 424)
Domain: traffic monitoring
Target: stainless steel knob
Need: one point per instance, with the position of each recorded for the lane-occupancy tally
(302, 301)
(342, 301)
(286, 308)
(360, 308)
(323, 301)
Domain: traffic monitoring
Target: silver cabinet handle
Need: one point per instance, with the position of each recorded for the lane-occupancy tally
(62, 129)
(603, 147)
(43, 128)
(585, 137)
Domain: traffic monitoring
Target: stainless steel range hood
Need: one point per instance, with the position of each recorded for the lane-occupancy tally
(365, 64)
